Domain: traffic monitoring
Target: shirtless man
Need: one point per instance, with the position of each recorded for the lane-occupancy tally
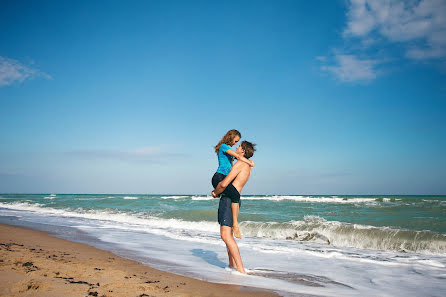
(238, 175)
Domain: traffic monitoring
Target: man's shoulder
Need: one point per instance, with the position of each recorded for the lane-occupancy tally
(241, 165)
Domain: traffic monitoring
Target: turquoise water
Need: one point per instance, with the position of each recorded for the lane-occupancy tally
(402, 223)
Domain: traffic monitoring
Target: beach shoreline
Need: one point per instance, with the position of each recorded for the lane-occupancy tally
(288, 250)
(34, 263)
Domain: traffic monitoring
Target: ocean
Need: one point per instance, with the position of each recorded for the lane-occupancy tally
(300, 244)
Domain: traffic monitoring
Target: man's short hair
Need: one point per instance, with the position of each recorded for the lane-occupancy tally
(249, 148)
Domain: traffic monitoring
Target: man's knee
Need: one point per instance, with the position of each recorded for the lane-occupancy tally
(225, 236)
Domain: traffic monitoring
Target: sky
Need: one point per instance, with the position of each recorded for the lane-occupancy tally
(340, 97)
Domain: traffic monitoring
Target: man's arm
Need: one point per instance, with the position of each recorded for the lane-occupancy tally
(240, 157)
(229, 178)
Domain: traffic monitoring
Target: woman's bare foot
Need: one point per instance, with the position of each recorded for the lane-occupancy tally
(236, 231)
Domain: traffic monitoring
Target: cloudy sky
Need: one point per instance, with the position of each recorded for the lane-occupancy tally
(341, 97)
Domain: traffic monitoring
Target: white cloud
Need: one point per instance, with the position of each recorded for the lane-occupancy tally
(426, 53)
(12, 71)
(349, 68)
(360, 20)
(374, 27)
(406, 22)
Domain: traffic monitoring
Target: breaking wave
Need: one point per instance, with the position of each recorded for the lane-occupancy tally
(310, 229)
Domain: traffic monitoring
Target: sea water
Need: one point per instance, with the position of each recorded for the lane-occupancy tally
(319, 245)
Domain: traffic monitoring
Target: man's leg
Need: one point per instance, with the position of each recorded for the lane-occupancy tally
(231, 260)
(235, 210)
(232, 247)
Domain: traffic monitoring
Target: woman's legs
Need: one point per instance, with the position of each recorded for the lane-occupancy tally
(235, 208)
(232, 247)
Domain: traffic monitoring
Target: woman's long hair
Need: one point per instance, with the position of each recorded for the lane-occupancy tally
(227, 139)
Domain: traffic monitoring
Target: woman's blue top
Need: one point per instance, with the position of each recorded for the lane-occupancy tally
(224, 160)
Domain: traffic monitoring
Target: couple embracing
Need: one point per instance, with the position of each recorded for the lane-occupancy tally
(229, 181)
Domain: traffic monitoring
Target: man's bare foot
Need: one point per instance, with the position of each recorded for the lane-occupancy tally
(242, 271)
(236, 231)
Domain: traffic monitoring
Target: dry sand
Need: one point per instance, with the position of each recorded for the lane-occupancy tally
(33, 263)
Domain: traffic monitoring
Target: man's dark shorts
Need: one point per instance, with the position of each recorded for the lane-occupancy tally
(225, 212)
(230, 195)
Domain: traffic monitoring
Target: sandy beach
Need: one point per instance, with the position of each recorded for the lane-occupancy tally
(33, 263)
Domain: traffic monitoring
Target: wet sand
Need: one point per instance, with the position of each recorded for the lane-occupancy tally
(33, 263)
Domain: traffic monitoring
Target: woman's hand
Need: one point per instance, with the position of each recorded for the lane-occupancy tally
(240, 157)
(214, 195)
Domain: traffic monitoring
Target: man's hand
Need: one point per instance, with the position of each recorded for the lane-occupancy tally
(214, 195)
(251, 163)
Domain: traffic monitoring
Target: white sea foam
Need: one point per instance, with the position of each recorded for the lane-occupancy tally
(310, 199)
(330, 199)
(432, 263)
(174, 197)
(312, 229)
(341, 234)
(51, 196)
(115, 216)
(26, 205)
(202, 198)
(130, 198)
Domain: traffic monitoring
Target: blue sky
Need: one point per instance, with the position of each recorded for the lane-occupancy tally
(341, 97)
